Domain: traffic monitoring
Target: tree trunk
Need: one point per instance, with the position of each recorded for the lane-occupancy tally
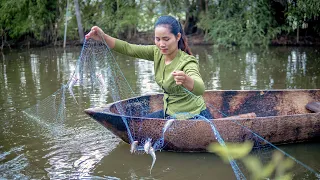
(55, 34)
(206, 12)
(201, 6)
(298, 33)
(192, 16)
(65, 26)
(186, 24)
(2, 40)
(129, 32)
(78, 16)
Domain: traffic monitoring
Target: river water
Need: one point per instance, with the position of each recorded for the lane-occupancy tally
(86, 150)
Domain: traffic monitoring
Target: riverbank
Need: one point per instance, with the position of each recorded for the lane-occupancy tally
(146, 38)
(200, 39)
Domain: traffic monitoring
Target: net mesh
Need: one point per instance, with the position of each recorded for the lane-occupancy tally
(97, 74)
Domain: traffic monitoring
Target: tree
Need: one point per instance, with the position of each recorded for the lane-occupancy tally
(28, 19)
(300, 12)
(246, 23)
(78, 16)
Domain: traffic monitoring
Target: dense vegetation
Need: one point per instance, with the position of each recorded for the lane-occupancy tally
(223, 22)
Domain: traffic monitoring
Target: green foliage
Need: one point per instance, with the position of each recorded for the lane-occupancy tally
(300, 11)
(14, 19)
(277, 168)
(234, 150)
(26, 17)
(305, 9)
(116, 17)
(176, 8)
(245, 23)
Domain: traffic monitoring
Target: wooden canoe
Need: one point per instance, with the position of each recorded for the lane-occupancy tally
(281, 117)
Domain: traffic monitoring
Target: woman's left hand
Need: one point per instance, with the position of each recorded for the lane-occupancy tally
(179, 77)
(183, 79)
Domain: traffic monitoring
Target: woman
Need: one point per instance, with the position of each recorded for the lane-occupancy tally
(176, 70)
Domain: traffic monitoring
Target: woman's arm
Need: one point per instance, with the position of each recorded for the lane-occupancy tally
(133, 50)
(123, 47)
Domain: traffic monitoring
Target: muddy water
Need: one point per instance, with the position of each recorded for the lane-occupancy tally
(30, 149)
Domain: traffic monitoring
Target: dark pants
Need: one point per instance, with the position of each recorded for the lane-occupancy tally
(160, 114)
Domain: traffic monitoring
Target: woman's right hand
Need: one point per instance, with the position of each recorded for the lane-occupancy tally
(96, 33)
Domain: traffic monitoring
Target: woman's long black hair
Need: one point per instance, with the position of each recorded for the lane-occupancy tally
(175, 27)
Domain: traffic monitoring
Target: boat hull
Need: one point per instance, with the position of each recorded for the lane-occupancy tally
(281, 118)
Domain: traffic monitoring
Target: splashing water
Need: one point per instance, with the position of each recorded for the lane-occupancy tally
(97, 71)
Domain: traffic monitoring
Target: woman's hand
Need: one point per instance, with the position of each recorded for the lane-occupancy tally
(183, 79)
(96, 33)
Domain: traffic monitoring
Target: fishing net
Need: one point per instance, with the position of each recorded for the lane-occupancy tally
(98, 75)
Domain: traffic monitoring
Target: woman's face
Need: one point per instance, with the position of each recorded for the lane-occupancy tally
(165, 40)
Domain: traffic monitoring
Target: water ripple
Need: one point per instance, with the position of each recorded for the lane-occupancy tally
(12, 163)
(76, 153)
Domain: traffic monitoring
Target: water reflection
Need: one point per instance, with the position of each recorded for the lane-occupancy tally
(296, 65)
(15, 163)
(250, 76)
(34, 62)
(22, 76)
(214, 81)
(145, 72)
(84, 149)
(4, 73)
(74, 153)
(280, 68)
(169, 165)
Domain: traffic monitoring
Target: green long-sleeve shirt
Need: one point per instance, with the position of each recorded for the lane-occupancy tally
(177, 99)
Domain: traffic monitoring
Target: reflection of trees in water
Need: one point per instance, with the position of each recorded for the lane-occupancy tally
(3, 56)
(275, 68)
(81, 150)
(145, 76)
(250, 76)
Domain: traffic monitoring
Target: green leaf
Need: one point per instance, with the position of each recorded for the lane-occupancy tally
(231, 150)
(254, 165)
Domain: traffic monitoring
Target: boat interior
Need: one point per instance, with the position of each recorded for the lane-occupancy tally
(232, 103)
